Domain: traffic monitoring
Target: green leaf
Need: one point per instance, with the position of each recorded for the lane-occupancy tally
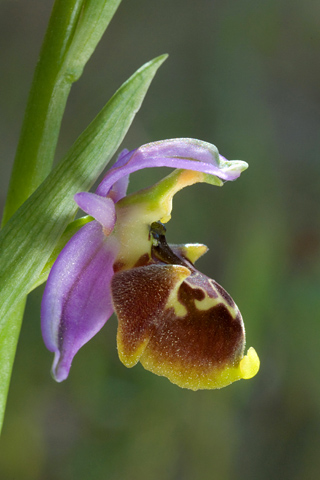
(29, 237)
(8, 343)
(94, 19)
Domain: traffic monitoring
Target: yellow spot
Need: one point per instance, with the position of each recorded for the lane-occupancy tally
(250, 364)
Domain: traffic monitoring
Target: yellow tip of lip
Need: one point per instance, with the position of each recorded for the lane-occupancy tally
(250, 364)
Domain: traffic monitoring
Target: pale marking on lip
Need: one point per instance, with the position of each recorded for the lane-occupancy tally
(173, 302)
(209, 302)
(201, 305)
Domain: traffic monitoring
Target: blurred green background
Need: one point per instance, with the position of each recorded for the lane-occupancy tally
(244, 75)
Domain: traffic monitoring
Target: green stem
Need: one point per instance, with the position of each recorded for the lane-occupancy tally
(45, 107)
(74, 30)
(61, 62)
(35, 151)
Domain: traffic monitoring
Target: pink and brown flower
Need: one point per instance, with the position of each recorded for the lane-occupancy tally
(173, 319)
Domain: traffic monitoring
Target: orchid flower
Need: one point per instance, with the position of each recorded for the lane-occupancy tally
(173, 319)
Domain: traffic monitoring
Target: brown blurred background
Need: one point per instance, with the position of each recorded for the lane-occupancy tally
(244, 75)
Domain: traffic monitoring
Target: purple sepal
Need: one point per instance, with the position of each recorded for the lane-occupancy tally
(185, 153)
(101, 208)
(77, 299)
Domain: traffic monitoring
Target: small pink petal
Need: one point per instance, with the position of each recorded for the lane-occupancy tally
(100, 208)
